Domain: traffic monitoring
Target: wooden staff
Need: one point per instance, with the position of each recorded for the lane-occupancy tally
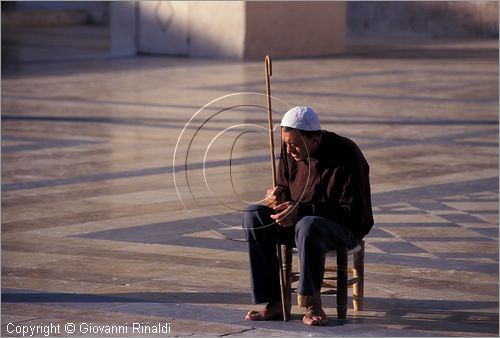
(268, 71)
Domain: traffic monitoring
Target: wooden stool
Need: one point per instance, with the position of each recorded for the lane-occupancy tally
(336, 279)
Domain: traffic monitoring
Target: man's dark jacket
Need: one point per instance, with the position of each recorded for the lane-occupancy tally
(333, 183)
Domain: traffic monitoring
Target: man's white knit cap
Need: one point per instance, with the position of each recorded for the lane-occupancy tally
(302, 118)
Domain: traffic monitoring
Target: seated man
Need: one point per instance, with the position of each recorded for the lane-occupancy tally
(322, 201)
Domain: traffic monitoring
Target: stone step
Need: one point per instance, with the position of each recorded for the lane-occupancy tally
(93, 37)
(29, 44)
(44, 17)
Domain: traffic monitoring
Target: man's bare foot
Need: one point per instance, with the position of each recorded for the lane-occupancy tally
(269, 312)
(315, 316)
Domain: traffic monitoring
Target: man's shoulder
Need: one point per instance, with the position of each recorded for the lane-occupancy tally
(342, 146)
(333, 139)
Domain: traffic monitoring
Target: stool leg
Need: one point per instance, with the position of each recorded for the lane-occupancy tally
(342, 278)
(359, 273)
(286, 268)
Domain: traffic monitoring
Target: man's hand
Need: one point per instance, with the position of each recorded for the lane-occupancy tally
(272, 196)
(288, 215)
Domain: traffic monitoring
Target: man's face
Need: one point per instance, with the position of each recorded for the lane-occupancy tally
(298, 146)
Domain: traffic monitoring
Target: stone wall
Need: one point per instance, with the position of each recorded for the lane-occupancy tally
(296, 29)
(242, 30)
(237, 29)
(427, 19)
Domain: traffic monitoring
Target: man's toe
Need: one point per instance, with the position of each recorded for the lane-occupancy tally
(252, 315)
(311, 318)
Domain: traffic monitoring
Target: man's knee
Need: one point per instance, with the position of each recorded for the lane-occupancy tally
(253, 215)
(253, 208)
(308, 229)
(257, 223)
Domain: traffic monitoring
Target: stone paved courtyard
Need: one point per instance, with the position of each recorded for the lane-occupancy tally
(121, 195)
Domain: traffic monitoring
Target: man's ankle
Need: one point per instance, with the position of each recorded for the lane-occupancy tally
(309, 300)
(278, 305)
